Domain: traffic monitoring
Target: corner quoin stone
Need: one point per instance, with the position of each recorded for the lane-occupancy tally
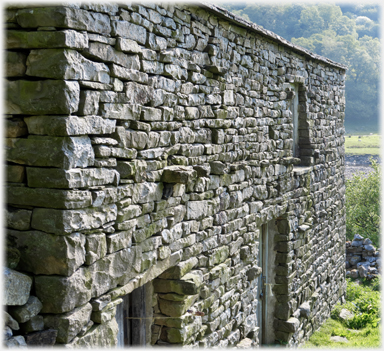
(42, 97)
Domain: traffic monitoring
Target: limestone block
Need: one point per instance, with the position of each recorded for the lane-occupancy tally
(15, 173)
(15, 64)
(107, 53)
(66, 152)
(100, 335)
(138, 93)
(41, 338)
(305, 310)
(196, 209)
(147, 192)
(64, 17)
(179, 336)
(16, 39)
(289, 326)
(115, 269)
(218, 167)
(182, 287)
(42, 97)
(89, 102)
(176, 308)
(128, 45)
(120, 111)
(129, 30)
(62, 222)
(69, 125)
(62, 294)
(67, 179)
(107, 313)
(24, 313)
(69, 324)
(129, 212)
(177, 174)
(95, 247)
(16, 286)
(65, 64)
(129, 74)
(18, 219)
(7, 334)
(16, 341)
(135, 169)
(10, 322)
(180, 269)
(43, 253)
(119, 240)
(15, 128)
(52, 198)
(36, 323)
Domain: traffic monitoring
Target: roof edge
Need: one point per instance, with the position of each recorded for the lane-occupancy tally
(224, 13)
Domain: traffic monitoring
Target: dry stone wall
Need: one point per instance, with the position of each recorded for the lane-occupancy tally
(153, 143)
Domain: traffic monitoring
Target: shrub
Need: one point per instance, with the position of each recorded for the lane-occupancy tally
(362, 203)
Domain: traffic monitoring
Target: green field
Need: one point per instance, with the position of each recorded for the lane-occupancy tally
(361, 331)
(362, 144)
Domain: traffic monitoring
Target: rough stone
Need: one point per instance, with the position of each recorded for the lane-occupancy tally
(62, 294)
(69, 179)
(41, 338)
(17, 287)
(42, 97)
(69, 125)
(65, 64)
(64, 17)
(62, 222)
(18, 219)
(69, 324)
(41, 197)
(16, 39)
(43, 253)
(24, 313)
(66, 152)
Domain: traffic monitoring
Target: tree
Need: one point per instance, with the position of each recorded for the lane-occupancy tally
(362, 195)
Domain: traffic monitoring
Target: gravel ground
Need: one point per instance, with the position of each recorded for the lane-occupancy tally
(350, 170)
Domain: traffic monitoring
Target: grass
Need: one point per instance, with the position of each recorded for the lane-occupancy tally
(362, 144)
(361, 331)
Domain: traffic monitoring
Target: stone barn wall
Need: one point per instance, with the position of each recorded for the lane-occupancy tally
(177, 147)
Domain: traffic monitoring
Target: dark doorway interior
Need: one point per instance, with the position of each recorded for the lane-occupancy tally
(131, 318)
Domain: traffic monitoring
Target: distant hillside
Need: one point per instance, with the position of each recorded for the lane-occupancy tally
(346, 33)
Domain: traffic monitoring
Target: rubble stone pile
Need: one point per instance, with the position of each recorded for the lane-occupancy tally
(362, 258)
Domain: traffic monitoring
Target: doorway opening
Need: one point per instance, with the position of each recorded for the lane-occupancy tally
(134, 317)
(267, 299)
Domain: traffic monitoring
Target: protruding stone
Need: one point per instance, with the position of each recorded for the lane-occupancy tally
(42, 97)
(65, 64)
(62, 294)
(69, 324)
(16, 39)
(62, 222)
(178, 174)
(69, 125)
(64, 17)
(62, 152)
(43, 253)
